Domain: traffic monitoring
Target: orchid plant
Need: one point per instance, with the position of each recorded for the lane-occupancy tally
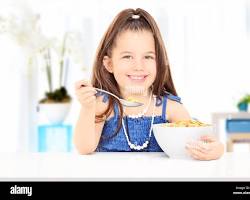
(25, 30)
(69, 49)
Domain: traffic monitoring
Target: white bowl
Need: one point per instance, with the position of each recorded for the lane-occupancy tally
(172, 140)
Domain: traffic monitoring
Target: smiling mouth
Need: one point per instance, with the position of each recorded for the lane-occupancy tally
(137, 77)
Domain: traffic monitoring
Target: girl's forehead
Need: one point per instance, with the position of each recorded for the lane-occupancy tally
(134, 39)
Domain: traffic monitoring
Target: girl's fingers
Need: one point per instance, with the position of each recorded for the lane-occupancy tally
(198, 154)
(85, 93)
(204, 149)
(189, 152)
(86, 90)
(201, 154)
(208, 138)
(197, 148)
(199, 145)
(81, 96)
(82, 83)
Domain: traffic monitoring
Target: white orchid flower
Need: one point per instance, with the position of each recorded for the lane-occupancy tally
(24, 28)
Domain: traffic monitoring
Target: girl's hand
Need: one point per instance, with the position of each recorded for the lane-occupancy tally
(206, 148)
(85, 93)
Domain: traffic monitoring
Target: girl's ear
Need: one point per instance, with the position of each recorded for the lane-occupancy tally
(107, 64)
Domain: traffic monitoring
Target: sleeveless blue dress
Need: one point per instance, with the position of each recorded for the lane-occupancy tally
(137, 129)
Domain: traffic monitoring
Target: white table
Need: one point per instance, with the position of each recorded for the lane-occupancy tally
(120, 166)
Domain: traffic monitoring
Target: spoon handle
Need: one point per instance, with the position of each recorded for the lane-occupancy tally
(100, 90)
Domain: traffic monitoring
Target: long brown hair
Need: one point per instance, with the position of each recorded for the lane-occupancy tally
(124, 21)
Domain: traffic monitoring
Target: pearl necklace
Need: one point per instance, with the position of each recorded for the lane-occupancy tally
(145, 144)
(134, 116)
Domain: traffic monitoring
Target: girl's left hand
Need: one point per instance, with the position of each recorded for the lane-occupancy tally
(206, 148)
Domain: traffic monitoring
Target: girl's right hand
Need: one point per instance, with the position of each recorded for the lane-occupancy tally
(85, 93)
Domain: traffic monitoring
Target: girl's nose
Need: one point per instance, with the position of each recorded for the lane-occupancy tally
(138, 65)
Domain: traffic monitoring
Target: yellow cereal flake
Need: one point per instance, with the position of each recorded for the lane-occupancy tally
(132, 99)
(185, 123)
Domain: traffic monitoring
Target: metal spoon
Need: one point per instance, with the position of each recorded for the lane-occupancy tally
(123, 101)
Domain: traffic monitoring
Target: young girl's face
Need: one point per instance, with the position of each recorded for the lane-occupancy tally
(133, 60)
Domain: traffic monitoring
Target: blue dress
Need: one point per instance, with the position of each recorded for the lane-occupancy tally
(138, 130)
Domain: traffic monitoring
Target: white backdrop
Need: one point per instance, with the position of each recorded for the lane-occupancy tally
(207, 43)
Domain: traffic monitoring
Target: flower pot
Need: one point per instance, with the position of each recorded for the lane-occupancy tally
(243, 106)
(55, 112)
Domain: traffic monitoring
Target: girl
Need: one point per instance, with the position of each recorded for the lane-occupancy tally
(131, 62)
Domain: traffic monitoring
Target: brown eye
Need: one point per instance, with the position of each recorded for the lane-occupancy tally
(127, 57)
(149, 57)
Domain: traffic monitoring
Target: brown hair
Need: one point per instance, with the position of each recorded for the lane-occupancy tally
(125, 20)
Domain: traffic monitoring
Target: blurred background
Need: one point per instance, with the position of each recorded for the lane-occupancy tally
(207, 41)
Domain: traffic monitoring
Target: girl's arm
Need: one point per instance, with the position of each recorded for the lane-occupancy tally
(176, 111)
(87, 133)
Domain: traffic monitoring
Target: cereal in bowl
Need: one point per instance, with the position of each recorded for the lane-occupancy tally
(186, 123)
